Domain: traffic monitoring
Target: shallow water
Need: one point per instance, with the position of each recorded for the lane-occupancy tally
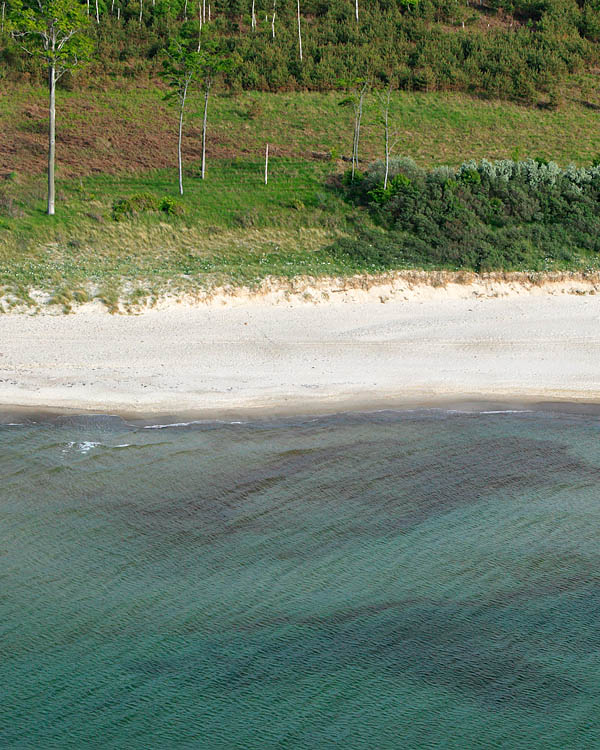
(394, 580)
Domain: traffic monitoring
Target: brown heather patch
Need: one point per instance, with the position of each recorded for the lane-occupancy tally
(119, 131)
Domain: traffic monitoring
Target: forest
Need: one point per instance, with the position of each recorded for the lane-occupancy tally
(516, 49)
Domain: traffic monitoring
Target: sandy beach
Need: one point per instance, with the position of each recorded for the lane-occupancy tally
(244, 355)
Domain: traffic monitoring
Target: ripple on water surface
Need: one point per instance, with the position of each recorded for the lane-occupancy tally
(391, 580)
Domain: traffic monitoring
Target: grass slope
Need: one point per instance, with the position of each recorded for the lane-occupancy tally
(234, 229)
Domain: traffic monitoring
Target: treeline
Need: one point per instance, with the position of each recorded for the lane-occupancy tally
(518, 49)
(483, 216)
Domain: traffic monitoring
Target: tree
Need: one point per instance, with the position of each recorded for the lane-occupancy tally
(55, 32)
(212, 63)
(357, 89)
(299, 33)
(389, 140)
(185, 66)
(180, 68)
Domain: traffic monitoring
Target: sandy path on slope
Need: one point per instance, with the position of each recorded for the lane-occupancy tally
(222, 360)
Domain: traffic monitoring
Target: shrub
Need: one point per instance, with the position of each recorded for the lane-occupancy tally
(485, 215)
(139, 203)
(170, 206)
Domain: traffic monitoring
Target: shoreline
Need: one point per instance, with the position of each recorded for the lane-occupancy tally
(256, 358)
(451, 405)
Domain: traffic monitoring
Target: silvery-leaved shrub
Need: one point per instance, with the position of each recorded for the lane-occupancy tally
(483, 215)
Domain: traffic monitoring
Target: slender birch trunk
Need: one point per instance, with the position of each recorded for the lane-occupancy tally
(389, 140)
(203, 11)
(358, 121)
(253, 15)
(51, 138)
(209, 12)
(185, 10)
(199, 26)
(206, 93)
(119, 13)
(356, 10)
(386, 122)
(179, 159)
(358, 111)
(273, 21)
(354, 150)
(141, 10)
(112, 7)
(267, 165)
(3, 12)
(299, 33)
(88, 7)
(97, 13)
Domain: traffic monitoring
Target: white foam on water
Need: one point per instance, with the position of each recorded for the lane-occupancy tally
(508, 411)
(173, 424)
(85, 447)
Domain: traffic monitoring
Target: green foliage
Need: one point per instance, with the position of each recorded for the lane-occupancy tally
(53, 31)
(170, 206)
(524, 53)
(501, 215)
(139, 203)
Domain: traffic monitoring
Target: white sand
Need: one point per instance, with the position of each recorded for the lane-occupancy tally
(423, 345)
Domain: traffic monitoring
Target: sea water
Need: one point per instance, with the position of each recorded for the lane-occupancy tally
(425, 579)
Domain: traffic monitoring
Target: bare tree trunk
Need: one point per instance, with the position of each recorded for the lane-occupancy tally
(356, 11)
(358, 110)
(389, 140)
(179, 159)
(97, 13)
(386, 121)
(51, 138)
(354, 149)
(206, 93)
(141, 10)
(209, 12)
(88, 7)
(267, 165)
(3, 12)
(299, 33)
(253, 15)
(199, 26)
(273, 21)
(185, 10)
(119, 13)
(112, 7)
(203, 11)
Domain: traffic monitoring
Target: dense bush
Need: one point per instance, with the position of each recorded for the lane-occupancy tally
(506, 214)
(510, 48)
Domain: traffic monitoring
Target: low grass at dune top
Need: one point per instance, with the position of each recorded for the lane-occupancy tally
(229, 229)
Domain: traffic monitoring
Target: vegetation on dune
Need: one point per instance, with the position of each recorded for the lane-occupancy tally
(235, 230)
(503, 215)
(420, 77)
(129, 236)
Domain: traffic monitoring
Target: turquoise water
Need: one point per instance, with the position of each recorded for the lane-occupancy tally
(395, 580)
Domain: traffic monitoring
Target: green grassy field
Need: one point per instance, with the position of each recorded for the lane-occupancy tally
(234, 229)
